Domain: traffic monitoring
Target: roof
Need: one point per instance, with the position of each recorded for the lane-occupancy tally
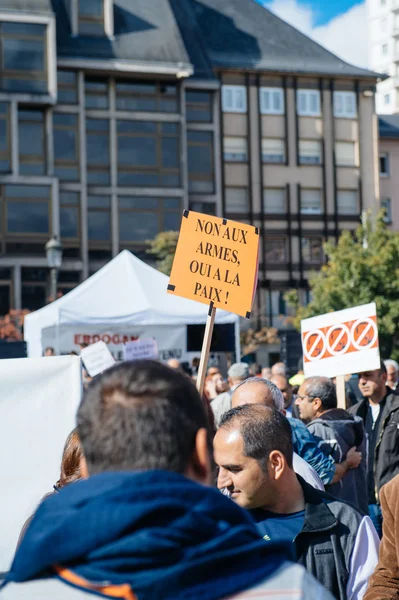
(242, 34)
(388, 126)
(167, 36)
(37, 6)
(141, 35)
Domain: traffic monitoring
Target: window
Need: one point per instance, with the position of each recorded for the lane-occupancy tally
(140, 219)
(148, 154)
(310, 202)
(66, 146)
(208, 208)
(234, 98)
(345, 154)
(271, 101)
(386, 203)
(387, 99)
(276, 250)
(308, 103)
(274, 200)
(96, 93)
(34, 287)
(69, 215)
(67, 87)
(235, 149)
(91, 17)
(309, 152)
(236, 200)
(97, 147)
(200, 162)
(5, 147)
(384, 49)
(345, 105)
(383, 25)
(199, 106)
(27, 209)
(384, 164)
(146, 97)
(347, 202)
(31, 142)
(273, 150)
(99, 218)
(23, 57)
(312, 250)
(5, 291)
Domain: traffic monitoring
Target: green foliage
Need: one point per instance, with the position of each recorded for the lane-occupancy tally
(362, 267)
(163, 248)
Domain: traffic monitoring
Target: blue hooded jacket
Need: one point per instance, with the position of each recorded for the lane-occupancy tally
(164, 535)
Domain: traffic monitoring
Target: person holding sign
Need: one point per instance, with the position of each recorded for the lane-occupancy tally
(338, 433)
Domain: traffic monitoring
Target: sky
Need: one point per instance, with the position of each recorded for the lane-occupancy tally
(339, 25)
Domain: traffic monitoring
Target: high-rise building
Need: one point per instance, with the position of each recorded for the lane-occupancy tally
(383, 32)
(114, 116)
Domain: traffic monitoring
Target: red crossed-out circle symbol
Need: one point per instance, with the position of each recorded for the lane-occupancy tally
(314, 345)
(338, 339)
(364, 333)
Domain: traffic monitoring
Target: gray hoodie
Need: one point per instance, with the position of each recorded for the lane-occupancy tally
(338, 431)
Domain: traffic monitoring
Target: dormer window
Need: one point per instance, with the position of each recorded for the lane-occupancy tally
(91, 17)
(23, 58)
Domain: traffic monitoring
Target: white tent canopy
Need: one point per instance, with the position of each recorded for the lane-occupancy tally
(124, 293)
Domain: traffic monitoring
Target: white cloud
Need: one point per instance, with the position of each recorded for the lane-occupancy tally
(345, 35)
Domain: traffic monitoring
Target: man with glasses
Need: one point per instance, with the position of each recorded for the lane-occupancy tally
(380, 413)
(338, 433)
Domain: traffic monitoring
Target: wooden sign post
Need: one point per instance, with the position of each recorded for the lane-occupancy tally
(216, 263)
(340, 389)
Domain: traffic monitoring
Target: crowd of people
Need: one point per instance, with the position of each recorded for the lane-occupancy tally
(263, 488)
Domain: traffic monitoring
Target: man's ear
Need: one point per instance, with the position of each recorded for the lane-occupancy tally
(83, 468)
(276, 464)
(199, 469)
(317, 404)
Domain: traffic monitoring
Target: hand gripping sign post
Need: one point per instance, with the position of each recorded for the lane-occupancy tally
(216, 263)
(340, 343)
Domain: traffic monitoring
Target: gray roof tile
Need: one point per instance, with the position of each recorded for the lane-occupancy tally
(145, 31)
(242, 34)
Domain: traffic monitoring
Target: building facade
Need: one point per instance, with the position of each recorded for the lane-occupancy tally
(114, 117)
(389, 168)
(383, 34)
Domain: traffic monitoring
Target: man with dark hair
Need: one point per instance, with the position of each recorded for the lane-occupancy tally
(337, 433)
(334, 540)
(380, 413)
(263, 391)
(146, 524)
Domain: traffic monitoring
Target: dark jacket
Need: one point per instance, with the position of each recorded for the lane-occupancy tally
(156, 533)
(325, 544)
(337, 432)
(386, 453)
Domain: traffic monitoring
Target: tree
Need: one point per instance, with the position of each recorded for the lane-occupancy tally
(362, 267)
(163, 248)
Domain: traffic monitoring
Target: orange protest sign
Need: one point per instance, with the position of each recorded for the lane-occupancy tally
(216, 261)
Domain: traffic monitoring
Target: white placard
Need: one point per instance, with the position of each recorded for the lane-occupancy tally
(147, 348)
(341, 342)
(38, 403)
(97, 358)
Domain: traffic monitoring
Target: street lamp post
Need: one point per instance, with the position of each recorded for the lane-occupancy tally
(54, 261)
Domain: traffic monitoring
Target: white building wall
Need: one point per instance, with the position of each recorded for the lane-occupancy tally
(383, 31)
